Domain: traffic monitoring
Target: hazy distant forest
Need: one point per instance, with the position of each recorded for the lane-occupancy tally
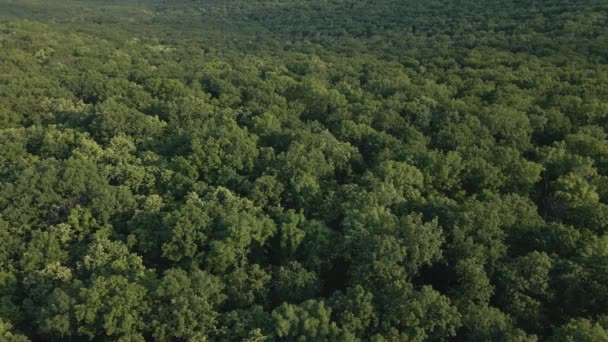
(304, 170)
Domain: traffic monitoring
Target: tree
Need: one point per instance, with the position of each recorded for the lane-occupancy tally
(308, 321)
(8, 335)
(187, 305)
(354, 311)
(113, 117)
(187, 230)
(524, 285)
(294, 284)
(112, 307)
(581, 330)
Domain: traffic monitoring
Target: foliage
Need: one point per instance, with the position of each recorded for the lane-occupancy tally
(386, 170)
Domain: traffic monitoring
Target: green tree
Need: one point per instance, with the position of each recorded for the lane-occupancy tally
(112, 307)
(308, 321)
(187, 305)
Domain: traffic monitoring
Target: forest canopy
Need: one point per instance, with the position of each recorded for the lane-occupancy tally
(337, 170)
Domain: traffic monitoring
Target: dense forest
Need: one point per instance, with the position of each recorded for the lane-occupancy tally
(299, 170)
